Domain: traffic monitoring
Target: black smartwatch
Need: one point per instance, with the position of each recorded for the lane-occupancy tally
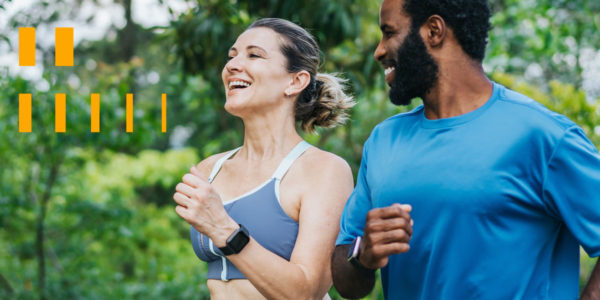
(236, 241)
(353, 254)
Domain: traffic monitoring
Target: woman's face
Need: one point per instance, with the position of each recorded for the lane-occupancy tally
(255, 77)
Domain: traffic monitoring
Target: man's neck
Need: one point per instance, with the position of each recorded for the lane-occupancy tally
(462, 87)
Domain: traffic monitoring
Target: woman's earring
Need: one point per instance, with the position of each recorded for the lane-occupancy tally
(287, 93)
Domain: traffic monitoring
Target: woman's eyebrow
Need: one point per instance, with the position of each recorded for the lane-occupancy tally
(250, 47)
(256, 47)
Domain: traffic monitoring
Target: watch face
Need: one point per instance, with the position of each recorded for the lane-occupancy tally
(237, 241)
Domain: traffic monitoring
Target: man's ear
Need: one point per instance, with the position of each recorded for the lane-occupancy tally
(298, 82)
(434, 31)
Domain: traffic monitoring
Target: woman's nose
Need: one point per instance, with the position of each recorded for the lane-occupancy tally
(234, 65)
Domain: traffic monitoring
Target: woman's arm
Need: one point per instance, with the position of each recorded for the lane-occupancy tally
(307, 274)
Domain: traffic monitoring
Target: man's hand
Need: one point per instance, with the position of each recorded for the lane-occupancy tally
(387, 231)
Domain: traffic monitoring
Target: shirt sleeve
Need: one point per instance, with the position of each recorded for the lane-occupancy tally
(572, 187)
(354, 216)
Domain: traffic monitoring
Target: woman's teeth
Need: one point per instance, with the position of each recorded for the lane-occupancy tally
(238, 84)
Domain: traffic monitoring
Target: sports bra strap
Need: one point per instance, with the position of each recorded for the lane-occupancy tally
(219, 164)
(287, 162)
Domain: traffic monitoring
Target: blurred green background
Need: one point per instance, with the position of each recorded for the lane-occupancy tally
(90, 216)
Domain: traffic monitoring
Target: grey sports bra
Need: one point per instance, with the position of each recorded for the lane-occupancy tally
(258, 210)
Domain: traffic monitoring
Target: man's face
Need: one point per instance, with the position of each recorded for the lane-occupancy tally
(410, 70)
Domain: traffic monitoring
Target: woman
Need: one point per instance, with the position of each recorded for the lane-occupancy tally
(267, 223)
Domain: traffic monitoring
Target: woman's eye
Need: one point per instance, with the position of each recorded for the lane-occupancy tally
(229, 57)
(254, 56)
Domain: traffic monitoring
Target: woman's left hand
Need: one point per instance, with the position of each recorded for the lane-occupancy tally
(201, 206)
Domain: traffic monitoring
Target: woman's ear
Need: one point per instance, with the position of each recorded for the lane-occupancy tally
(298, 82)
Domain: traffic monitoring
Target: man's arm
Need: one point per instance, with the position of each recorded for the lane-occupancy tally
(387, 231)
(349, 281)
(592, 289)
(570, 191)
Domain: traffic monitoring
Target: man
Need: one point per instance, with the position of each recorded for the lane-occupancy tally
(501, 190)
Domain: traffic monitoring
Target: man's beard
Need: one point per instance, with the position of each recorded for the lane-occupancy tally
(416, 72)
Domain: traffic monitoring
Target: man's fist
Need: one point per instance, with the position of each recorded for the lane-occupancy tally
(387, 231)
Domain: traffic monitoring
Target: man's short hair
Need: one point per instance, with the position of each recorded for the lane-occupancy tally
(468, 19)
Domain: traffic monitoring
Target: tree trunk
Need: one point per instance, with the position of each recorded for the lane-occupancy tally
(39, 245)
(128, 33)
(39, 249)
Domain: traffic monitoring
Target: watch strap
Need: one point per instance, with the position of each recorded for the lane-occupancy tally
(353, 258)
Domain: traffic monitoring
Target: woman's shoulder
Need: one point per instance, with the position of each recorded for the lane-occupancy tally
(206, 165)
(317, 163)
(319, 175)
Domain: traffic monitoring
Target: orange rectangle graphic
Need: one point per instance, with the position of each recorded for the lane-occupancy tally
(60, 112)
(24, 112)
(95, 118)
(164, 113)
(129, 113)
(63, 38)
(26, 46)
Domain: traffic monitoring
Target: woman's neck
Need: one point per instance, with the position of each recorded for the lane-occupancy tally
(268, 137)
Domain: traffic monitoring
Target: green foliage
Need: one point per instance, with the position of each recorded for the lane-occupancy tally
(104, 231)
(587, 265)
(550, 34)
(36, 166)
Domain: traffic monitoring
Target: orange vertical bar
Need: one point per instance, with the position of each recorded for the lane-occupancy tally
(63, 39)
(129, 113)
(60, 113)
(24, 112)
(95, 126)
(26, 46)
(164, 112)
